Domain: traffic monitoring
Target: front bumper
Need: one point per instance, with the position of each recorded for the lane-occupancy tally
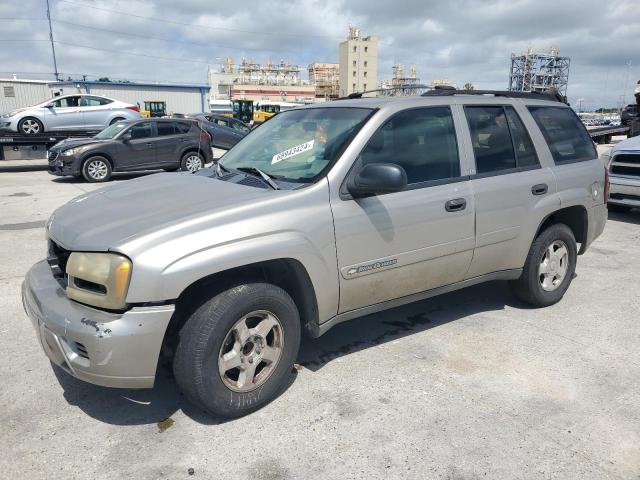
(6, 125)
(63, 166)
(109, 349)
(624, 191)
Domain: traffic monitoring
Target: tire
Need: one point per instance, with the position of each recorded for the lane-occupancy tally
(537, 287)
(116, 120)
(618, 208)
(96, 169)
(228, 326)
(191, 162)
(30, 126)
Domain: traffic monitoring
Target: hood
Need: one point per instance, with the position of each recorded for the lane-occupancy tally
(632, 143)
(109, 217)
(15, 111)
(76, 142)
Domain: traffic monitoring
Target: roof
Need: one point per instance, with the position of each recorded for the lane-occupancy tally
(130, 84)
(23, 80)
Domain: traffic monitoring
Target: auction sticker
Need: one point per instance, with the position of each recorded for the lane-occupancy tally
(292, 152)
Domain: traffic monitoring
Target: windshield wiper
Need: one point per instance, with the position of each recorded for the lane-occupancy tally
(265, 176)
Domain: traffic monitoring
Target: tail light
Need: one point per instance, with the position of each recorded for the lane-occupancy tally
(135, 108)
(205, 136)
(607, 185)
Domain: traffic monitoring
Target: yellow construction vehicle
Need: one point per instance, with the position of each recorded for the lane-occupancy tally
(265, 110)
(154, 108)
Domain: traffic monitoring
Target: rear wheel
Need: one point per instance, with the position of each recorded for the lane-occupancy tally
(30, 126)
(192, 162)
(549, 267)
(96, 169)
(236, 351)
(116, 120)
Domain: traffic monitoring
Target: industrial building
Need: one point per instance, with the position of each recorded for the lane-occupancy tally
(16, 93)
(179, 98)
(252, 81)
(539, 71)
(402, 84)
(358, 63)
(326, 79)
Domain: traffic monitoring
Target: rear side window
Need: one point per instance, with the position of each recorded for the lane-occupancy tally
(567, 138)
(94, 101)
(420, 140)
(500, 140)
(165, 128)
(182, 127)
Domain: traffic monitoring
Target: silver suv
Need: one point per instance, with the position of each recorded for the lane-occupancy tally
(318, 216)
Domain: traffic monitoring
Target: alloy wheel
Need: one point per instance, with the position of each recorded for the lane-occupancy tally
(554, 265)
(193, 163)
(30, 126)
(97, 169)
(251, 350)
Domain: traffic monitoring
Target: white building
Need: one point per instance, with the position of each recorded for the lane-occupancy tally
(358, 63)
(16, 93)
(179, 98)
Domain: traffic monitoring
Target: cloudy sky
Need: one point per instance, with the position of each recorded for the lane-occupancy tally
(460, 40)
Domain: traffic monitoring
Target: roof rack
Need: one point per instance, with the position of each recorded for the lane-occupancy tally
(387, 89)
(548, 95)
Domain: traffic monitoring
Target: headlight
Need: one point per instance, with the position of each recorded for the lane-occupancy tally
(99, 279)
(70, 151)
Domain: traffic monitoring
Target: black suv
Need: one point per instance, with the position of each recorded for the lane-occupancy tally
(145, 144)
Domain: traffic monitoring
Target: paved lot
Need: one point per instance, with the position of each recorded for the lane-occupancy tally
(469, 385)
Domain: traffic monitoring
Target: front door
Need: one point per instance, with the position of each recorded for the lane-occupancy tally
(64, 114)
(513, 193)
(401, 243)
(137, 149)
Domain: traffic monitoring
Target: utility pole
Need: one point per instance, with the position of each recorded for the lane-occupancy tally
(53, 48)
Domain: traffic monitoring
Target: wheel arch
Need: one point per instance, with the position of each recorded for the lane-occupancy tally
(286, 273)
(98, 153)
(575, 217)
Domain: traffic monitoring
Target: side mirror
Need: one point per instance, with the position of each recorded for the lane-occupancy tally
(49, 105)
(378, 178)
(126, 137)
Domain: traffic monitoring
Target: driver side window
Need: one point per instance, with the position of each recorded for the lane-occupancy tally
(141, 130)
(422, 141)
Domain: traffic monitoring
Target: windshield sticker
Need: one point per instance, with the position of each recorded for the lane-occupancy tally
(292, 152)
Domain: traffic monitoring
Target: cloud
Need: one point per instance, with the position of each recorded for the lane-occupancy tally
(461, 40)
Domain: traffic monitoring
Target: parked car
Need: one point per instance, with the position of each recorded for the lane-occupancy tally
(145, 144)
(623, 162)
(68, 112)
(323, 214)
(629, 113)
(225, 131)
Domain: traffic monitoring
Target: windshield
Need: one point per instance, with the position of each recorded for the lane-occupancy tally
(298, 145)
(111, 131)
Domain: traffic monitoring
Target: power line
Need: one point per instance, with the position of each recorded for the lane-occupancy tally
(208, 27)
(120, 52)
(138, 35)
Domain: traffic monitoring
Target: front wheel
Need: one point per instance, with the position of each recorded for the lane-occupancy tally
(96, 169)
(236, 351)
(549, 267)
(30, 126)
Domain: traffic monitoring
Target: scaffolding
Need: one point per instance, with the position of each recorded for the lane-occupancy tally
(326, 79)
(282, 73)
(402, 85)
(539, 71)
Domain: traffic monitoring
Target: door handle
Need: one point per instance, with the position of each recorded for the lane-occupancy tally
(540, 189)
(455, 205)
(149, 144)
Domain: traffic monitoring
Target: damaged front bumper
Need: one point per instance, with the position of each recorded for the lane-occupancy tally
(109, 349)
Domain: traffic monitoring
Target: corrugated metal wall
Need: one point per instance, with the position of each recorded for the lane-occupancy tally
(179, 100)
(25, 94)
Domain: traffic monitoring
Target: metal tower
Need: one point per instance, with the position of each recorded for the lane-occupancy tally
(539, 71)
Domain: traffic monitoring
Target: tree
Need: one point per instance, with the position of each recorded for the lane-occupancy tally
(469, 86)
(104, 79)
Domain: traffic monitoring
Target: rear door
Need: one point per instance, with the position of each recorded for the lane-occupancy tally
(397, 244)
(170, 142)
(224, 136)
(139, 151)
(96, 111)
(64, 114)
(513, 192)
